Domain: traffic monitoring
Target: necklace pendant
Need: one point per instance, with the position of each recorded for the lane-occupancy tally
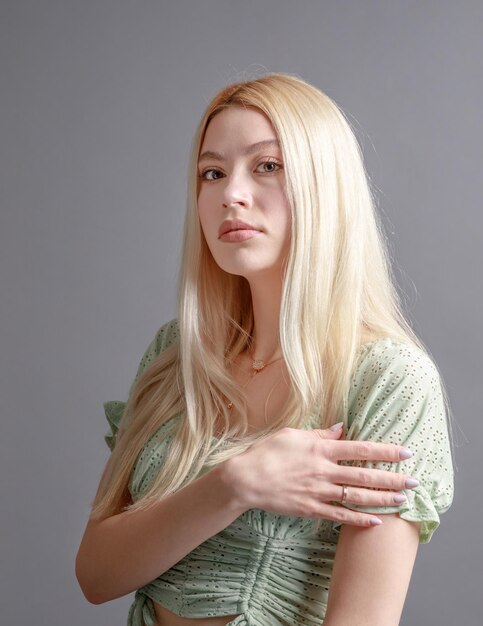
(258, 365)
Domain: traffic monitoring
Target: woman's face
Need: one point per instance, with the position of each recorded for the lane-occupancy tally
(242, 205)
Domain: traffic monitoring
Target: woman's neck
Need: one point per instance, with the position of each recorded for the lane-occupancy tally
(266, 301)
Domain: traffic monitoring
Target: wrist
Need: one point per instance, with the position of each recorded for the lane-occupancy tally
(232, 473)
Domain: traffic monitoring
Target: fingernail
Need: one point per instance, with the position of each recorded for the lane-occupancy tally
(375, 521)
(411, 482)
(405, 454)
(399, 498)
(337, 426)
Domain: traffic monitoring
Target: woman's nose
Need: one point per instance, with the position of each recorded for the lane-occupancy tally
(237, 191)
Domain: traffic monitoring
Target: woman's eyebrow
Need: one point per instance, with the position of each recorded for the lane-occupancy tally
(254, 147)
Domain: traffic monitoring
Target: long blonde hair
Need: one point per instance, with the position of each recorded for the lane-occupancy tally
(337, 289)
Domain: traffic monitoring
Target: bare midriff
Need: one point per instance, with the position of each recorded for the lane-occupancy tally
(167, 618)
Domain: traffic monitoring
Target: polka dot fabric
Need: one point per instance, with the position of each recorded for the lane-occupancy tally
(276, 569)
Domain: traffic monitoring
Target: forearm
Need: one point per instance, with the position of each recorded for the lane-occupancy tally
(124, 552)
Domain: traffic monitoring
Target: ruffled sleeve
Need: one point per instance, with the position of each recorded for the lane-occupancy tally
(166, 336)
(396, 397)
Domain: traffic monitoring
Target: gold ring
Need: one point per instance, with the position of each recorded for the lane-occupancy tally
(345, 494)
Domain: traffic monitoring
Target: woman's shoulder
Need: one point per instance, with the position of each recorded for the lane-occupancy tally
(165, 337)
(392, 373)
(393, 357)
(396, 382)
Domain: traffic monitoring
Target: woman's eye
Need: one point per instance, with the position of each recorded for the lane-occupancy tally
(269, 167)
(211, 174)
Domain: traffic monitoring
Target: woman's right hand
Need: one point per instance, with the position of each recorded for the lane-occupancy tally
(297, 472)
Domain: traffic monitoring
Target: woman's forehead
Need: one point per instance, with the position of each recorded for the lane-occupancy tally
(238, 125)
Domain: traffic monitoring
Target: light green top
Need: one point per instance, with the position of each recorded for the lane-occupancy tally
(276, 569)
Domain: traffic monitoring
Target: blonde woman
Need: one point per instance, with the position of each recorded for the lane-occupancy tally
(284, 447)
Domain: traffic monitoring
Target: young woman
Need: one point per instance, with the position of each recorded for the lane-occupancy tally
(284, 446)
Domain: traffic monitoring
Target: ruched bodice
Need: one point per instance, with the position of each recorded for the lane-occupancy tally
(269, 569)
(273, 569)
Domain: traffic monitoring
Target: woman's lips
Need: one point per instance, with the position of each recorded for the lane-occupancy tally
(236, 230)
(240, 234)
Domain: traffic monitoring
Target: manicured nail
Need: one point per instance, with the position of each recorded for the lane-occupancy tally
(411, 482)
(405, 454)
(399, 498)
(375, 521)
(337, 426)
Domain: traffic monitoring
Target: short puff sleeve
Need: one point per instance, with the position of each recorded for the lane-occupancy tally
(396, 397)
(166, 336)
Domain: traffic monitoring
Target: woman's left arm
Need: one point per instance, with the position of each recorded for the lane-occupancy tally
(371, 574)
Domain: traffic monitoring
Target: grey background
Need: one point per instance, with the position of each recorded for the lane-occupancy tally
(99, 101)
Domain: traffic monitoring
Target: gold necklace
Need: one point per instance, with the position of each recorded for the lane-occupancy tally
(257, 366)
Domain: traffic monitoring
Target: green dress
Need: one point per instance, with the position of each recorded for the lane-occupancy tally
(276, 569)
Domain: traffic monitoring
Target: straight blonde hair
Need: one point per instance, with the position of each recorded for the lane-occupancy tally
(337, 290)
